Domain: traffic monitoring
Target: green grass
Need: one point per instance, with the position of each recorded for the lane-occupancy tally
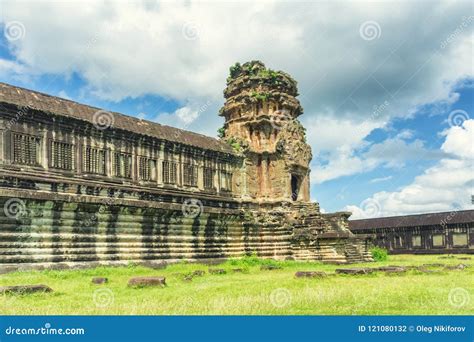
(252, 292)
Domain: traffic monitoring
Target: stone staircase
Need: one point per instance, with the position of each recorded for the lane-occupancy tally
(325, 237)
(355, 252)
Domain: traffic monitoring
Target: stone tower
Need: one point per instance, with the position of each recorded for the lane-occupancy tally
(261, 121)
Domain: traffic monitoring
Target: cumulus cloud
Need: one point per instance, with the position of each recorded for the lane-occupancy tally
(448, 185)
(184, 49)
(350, 84)
(391, 153)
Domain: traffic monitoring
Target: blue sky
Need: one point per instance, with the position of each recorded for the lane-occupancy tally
(424, 126)
(387, 88)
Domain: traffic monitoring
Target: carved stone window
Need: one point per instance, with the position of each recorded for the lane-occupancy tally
(122, 165)
(190, 174)
(26, 149)
(416, 240)
(94, 160)
(209, 171)
(398, 241)
(170, 171)
(208, 175)
(460, 240)
(147, 169)
(438, 240)
(226, 180)
(62, 155)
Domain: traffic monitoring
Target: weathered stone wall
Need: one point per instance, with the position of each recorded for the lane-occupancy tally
(85, 194)
(87, 230)
(47, 128)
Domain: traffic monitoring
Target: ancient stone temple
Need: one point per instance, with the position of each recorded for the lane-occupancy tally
(449, 232)
(80, 186)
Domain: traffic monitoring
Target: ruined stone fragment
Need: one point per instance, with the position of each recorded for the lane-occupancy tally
(99, 280)
(456, 267)
(361, 270)
(270, 267)
(310, 274)
(24, 289)
(391, 269)
(147, 281)
(217, 271)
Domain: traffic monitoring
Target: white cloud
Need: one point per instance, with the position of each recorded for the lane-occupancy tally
(182, 50)
(446, 186)
(186, 114)
(356, 156)
(381, 179)
(11, 69)
(64, 94)
(190, 114)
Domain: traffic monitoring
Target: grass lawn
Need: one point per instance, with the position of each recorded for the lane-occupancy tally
(252, 292)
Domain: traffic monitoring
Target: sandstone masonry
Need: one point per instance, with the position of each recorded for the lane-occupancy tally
(80, 186)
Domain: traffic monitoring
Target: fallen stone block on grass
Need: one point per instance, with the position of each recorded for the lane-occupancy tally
(198, 273)
(362, 270)
(464, 258)
(99, 280)
(455, 267)
(310, 274)
(270, 267)
(217, 271)
(24, 289)
(147, 281)
(392, 269)
(237, 270)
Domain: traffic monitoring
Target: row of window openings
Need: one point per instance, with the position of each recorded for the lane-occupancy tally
(459, 240)
(26, 148)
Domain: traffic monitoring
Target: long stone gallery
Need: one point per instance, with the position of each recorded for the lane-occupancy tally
(81, 186)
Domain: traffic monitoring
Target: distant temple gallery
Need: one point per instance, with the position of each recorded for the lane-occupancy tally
(81, 186)
(446, 232)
